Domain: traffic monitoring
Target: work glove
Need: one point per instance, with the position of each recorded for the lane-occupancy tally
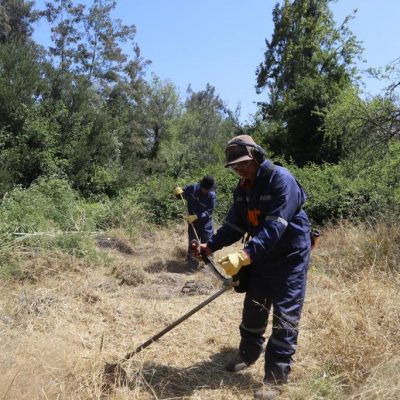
(178, 191)
(191, 218)
(232, 263)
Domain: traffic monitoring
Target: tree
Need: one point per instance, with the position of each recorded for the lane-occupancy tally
(162, 106)
(204, 128)
(16, 18)
(97, 93)
(142, 119)
(308, 63)
(22, 143)
(89, 42)
(365, 125)
(65, 19)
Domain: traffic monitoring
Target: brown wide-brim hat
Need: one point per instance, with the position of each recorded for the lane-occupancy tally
(238, 149)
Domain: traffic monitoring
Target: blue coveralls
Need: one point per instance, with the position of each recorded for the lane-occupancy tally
(203, 206)
(270, 211)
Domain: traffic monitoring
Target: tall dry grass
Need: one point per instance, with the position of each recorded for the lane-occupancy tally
(352, 320)
(58, 330)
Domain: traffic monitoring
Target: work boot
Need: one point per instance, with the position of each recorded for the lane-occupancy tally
(274, 378)
(267, 392)
(237, 364)
(277, 374)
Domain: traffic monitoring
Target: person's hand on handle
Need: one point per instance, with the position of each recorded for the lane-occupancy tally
(199, 248)
(191, 218)
(178, 191)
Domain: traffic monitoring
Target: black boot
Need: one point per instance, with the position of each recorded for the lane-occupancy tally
(275, 376)
(237, 364)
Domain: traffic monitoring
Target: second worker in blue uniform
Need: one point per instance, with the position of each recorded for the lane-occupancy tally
(201, 199)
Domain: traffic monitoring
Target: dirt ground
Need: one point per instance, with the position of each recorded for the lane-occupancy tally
(57, 334)
(59, 329)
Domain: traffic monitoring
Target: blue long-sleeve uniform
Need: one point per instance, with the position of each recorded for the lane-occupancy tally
(201, 204)
(270, 212)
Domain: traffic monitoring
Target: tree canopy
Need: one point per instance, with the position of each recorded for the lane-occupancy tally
(307, 64)
(85, 108)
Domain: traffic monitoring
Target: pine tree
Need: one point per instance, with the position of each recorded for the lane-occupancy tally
(308, 63)
(16, 18)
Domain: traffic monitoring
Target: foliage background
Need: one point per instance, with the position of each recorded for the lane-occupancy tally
(91, 148)
(89, 142)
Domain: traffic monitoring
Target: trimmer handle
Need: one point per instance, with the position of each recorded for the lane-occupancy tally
(195, 246)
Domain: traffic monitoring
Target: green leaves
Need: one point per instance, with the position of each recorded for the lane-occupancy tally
(308, 62)
(352, 189)
(16, 18)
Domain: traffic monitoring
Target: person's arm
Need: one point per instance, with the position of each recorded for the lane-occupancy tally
(288, 198)
(230, 232)
(188, 191)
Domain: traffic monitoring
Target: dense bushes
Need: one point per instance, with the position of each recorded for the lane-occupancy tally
(49, 205)
(353, 190)
(51, 215)
(346, 190)
(349, 190)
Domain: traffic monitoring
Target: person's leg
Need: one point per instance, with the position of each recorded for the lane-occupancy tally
(205, 232)
(288, 299)
(256, 308)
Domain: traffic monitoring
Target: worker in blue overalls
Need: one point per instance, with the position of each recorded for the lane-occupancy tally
(201, 199)
(267, 210)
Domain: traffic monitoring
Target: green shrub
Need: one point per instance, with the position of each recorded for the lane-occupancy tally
(9, 267)
(51, 205)
(157, 199)
(348, 190)
(351, 190)
(48, 205)
(49, 215)
(128, 211)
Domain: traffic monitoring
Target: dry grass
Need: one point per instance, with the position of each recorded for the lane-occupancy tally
(58, 330)
(352, 310)
(350, 250)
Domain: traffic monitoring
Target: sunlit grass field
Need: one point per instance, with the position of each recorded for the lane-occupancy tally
(62, 318)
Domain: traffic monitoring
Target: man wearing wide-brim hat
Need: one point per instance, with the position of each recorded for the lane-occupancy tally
(272, 266)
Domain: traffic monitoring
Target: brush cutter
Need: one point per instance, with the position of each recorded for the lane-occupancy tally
(114, 374)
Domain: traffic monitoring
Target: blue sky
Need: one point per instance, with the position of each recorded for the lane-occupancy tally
(221, 42)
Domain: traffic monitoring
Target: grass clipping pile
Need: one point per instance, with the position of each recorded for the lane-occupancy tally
(58, 332)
